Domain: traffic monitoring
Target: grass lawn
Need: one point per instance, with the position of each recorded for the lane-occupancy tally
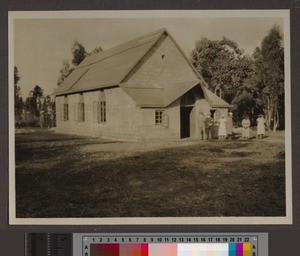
(70, 176)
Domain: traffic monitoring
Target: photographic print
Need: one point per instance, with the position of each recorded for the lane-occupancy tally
(150, 117)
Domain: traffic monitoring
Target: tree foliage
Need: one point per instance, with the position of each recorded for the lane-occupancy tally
(64, 72)
(222, 65)
(18, 98)
(252, 84)
(269, 74)
(39, 109)
(78, 53)
(96, 50)
(32, 102)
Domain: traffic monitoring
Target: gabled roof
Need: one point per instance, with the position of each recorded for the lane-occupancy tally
(108, 68)
(111, 67)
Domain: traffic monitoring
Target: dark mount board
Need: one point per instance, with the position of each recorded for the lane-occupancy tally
(282, 238)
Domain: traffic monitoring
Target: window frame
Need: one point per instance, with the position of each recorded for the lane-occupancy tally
(158, 117)
(80, 109)
(65, 112)
(99, 109)
(81, 112)
(102, 111)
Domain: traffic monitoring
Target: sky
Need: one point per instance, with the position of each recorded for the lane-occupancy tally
(40, 45)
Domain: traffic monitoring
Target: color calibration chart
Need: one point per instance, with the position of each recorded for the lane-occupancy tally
(206, 244)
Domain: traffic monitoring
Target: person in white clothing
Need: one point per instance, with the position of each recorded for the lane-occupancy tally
(260, 126)
(222, 127)
(246, 127)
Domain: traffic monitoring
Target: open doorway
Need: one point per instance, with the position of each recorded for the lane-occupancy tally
(185, 129)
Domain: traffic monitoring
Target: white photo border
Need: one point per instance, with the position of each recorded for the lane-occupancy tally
(285, 14)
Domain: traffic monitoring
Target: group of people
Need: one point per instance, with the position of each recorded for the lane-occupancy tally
(209, 129)
(260, 127)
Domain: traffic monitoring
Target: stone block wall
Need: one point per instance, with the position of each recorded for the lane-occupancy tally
(148, 128)
(122, 116)
(165, 65)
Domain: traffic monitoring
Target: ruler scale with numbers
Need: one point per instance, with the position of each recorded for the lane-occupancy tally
(147, 244)
(204, 244)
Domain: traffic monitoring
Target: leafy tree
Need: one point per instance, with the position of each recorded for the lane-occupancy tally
(34, 104)
(78, 52)
(18, 98)
(49, 112)
(269, 61)
(64, 72)
(222, 65)
(247, 101)
(253, 84)
(16, 77)
(96, 50)
(37, 92)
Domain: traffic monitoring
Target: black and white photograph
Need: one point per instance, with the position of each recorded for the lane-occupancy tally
(150, 117)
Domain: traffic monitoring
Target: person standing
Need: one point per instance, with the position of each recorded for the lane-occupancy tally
(260, 126)
(201, 123)
(209, 122)
(246, 127)
(229, 125)
(222, 127)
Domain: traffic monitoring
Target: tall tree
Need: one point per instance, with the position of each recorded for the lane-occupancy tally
(222, 65)
(78, 52)
(64, 72)
(248, 100)
(34, 104)
(49, 111)
(269, 61)
(18, 97)
(37, 92)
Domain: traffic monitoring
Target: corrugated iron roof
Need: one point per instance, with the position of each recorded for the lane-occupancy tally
(149, 95)
(109, 67)
(176, 90)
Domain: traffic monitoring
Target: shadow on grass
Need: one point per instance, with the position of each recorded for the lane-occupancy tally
(54, 137)
(177, 182)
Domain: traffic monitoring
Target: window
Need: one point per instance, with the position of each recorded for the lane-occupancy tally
(65, 110)
(79, 110)
(100, 109)
(159, 117)
(103, 112)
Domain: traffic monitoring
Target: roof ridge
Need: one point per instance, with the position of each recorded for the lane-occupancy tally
(109, 56)
(146, 36)
(158, 31)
